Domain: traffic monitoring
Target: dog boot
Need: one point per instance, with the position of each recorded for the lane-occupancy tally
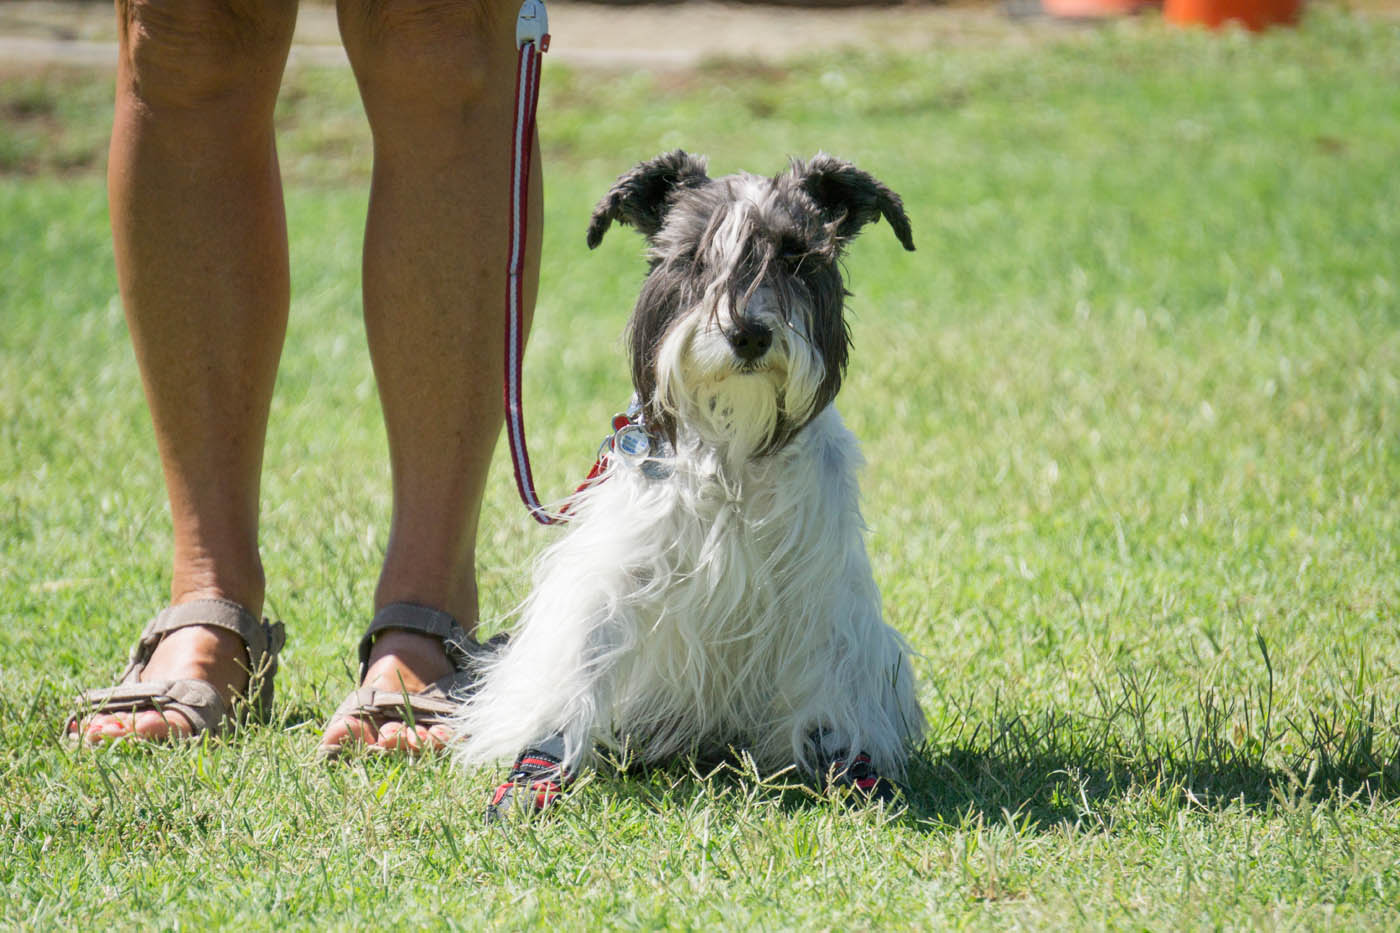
(860, 775)
(839, 770)
(536, 780)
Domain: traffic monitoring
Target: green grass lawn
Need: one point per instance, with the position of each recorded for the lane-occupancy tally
(1132, 413)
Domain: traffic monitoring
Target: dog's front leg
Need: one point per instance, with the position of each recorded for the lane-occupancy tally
(555, 676)
(545, 683)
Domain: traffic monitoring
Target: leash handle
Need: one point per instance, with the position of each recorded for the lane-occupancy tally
(532, 40)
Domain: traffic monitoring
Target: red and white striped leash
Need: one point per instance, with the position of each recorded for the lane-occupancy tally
(532, 40)
(630, 438)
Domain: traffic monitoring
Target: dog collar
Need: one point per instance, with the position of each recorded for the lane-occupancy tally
(634, 446)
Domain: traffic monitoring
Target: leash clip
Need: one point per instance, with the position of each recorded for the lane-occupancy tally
(532, 25)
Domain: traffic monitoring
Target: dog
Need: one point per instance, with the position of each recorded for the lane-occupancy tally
(712, 590)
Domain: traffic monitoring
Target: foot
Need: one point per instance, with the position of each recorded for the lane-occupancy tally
(199, 652)
(534, 783)
(403, 662)
(858, 777)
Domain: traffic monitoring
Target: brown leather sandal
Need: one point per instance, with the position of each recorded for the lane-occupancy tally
(433, 704)
(197, 700)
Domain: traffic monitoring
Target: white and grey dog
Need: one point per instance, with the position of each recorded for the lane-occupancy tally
(712, 590)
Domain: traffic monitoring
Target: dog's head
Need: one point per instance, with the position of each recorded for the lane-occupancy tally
(739, 331)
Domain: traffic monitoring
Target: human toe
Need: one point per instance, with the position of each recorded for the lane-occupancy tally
(158, 725)
(151, 725)
(344, 731)
(105, 728)
(398, 737)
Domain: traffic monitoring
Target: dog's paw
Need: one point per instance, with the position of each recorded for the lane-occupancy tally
(857, 779)
(533, 785)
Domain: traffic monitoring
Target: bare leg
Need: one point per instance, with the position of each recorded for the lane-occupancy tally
(201, 255)
(438, 82)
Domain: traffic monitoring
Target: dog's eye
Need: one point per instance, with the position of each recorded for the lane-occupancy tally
(792, 251)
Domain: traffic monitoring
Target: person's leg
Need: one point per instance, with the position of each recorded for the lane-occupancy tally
(438, 81)
(201, 254)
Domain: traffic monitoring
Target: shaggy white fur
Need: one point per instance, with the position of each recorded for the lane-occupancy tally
(703, 611)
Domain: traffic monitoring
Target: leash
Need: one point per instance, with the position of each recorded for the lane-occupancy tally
(630, 440)
(531, 40)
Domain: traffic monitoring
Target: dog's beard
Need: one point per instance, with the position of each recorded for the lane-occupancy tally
(741, 409)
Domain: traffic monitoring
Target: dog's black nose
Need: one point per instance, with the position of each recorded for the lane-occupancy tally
(749, 340)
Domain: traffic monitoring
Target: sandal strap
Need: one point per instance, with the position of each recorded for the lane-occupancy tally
(462, 650)
(215, 613)
(263, 641)
(196, 700)
(431, 706)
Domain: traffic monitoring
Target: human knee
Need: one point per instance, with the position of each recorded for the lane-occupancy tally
(186, 53)
(425, 51)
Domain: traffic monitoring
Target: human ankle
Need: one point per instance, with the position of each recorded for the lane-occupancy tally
(239, 581)
(450, 588)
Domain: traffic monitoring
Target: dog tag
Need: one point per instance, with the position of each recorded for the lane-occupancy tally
(631, 441)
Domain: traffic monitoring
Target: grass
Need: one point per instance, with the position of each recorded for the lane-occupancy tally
(1133, 421)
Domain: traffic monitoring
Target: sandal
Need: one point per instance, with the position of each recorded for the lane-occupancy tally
(196, 700)
(439, 700)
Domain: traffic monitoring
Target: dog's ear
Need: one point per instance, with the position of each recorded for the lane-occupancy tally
(851, 198)
(641, 197)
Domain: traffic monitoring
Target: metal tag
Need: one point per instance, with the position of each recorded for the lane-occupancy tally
(631, 441)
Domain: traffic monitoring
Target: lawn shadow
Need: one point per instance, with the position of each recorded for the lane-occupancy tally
(1055, 768)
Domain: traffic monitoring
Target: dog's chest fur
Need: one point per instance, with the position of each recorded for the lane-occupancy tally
(737, 584)
(729, 585)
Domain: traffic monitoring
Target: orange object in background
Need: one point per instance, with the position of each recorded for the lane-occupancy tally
(1254, 15)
